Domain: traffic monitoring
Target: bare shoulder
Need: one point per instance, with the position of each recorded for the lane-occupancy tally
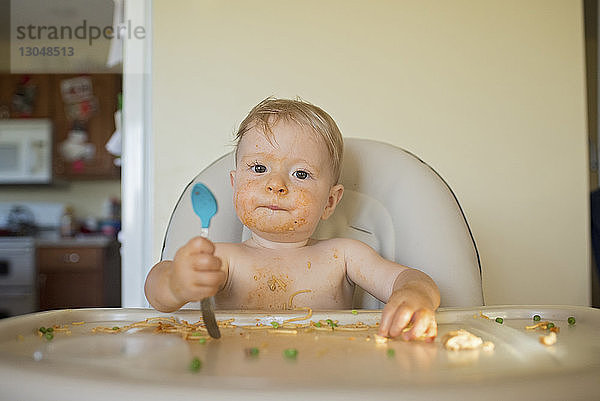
(350, 247)
(227, 249)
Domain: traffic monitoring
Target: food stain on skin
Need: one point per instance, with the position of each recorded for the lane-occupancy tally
(334, 281)
(255, 217)
(274, 283)
(249, 221)
(289, 226)
(309, 265)
(270, 290)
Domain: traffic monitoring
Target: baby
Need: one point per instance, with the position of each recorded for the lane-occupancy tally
(288, 161)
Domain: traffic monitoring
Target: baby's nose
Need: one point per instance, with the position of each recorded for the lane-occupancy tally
(277, 186)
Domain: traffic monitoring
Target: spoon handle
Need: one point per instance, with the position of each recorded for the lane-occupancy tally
(208, 312)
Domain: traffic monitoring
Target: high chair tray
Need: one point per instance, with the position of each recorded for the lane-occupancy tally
(263, 356)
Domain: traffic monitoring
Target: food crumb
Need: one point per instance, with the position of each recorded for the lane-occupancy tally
(542, 325)
(488, 346)
(549, 339)
(380, 339)
(195, 365)
(461, 340)
(283, 331)
(290, 353)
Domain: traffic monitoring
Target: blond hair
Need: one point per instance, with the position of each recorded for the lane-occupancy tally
(270, 111)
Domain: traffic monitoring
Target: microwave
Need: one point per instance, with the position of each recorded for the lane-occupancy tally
(25, 151)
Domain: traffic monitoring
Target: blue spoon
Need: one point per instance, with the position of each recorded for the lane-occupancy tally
(205, 207)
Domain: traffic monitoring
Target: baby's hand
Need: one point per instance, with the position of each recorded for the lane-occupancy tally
(196, 272)
(408, 314)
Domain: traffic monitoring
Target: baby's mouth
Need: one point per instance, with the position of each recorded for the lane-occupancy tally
(274, 207)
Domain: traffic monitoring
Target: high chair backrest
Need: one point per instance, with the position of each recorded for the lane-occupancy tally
(393, 201)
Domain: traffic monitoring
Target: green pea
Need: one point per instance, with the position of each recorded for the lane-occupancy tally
(550, 325)
(116, 328)
(499, 320)
(275, 324)
(571, 320)
(318, 324)
(290, 353)
(42, 330)
(391, 352)
(49, 329)
(49, 336)
(537, 318)
(354, 312)
(252, 351)
(202, 340)
(195, 365)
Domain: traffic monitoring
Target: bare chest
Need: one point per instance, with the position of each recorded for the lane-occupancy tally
(279, 282)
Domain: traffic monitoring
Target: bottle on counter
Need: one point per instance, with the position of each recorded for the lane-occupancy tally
(67, 223)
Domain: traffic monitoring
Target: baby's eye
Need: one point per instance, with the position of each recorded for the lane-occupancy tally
(301, 175)
(258, 168)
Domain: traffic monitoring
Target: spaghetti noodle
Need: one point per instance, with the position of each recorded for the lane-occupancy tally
(295, 319)
(290, 302)
(196, 331)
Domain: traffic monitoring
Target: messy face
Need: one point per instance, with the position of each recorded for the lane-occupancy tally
(283, 186)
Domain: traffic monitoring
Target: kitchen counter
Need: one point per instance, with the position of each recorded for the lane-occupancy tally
(332, 364)
(84, 271)
(55, 240)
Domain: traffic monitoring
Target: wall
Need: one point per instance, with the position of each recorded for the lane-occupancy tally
(86, 197)
(491, 94)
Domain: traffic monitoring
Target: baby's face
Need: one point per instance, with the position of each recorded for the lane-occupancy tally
(282, 189)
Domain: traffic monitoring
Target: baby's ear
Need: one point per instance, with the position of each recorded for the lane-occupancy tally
(335, 195)
(232, 177)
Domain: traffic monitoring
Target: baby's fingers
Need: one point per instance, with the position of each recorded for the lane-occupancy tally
(198, 244)
(423, 326)
(213, 279)
(206, 262)
(394, 316)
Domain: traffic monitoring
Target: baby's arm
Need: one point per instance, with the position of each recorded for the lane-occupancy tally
(194, 273)
(411, 296)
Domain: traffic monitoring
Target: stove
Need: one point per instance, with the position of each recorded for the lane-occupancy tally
(18, 293)
(20, 223)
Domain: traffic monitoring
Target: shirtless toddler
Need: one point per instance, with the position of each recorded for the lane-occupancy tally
(288, 161)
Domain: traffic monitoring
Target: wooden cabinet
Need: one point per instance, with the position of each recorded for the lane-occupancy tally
(79, 276)
(100, 128)
(48, 103)
(42, 106)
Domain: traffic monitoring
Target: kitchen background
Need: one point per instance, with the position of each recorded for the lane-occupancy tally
(59, 243)
(75, 217)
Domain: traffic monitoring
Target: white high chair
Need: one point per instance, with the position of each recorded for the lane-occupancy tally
(393, 201)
